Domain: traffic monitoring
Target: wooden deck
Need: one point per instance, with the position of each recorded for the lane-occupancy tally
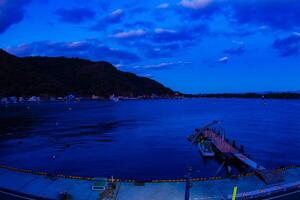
(268, 176)
(220, 144)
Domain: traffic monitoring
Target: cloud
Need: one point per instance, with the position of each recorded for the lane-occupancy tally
(11, 12)
(159, 50)
(147, 75)
(129, 34)
(116, 13)
(278, 14)
(162, 65)
(235, 51)
(161, 42)
(223, 60)
(195, 4)
(296, 33)
(162, 31)
(115, 17)
(75, 15)
(163, 6)
(289, 46)
(88, 49)
(170, 35)
(197, 9)
(151, 50)
(181, 34)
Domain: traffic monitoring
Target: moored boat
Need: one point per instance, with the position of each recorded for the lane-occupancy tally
(205, 147)
(114, 98)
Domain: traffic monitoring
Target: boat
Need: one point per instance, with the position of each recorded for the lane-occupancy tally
(114, 98)
(205, 147)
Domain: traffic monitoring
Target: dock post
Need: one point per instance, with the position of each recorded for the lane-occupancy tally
(188, 184)
(234, 192)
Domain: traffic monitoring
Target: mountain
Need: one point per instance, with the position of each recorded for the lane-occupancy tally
(4, 56)
(59, 76)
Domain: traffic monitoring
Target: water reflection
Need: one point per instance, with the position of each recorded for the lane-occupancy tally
(143, 139)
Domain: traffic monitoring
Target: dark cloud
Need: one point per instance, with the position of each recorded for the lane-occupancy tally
(115, 17)
(239, 32)
(75, 15)
(160, 42)
(279, 14)
(152, 50)
(11, 12)
(88, 49)
(161, 51)
(235, 51)
(289, 46)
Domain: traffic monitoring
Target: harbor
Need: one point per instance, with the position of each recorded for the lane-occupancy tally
(151, 172)
(253, 182)
(149, 100)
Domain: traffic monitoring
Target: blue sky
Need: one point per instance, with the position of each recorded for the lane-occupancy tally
(194, 46)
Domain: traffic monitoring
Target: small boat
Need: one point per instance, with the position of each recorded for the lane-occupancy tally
(205, 147)
(114, 98)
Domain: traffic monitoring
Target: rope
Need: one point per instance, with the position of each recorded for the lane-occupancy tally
(281, 169)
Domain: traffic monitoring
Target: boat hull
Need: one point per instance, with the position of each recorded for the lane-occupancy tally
(204, 151)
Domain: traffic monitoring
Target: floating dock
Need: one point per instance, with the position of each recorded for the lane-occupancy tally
(231, 155)
(225, 147)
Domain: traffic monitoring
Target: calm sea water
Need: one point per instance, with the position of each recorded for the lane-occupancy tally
(143, 139)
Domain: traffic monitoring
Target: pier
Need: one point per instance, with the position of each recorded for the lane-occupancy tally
(225, 147)
(230, 155)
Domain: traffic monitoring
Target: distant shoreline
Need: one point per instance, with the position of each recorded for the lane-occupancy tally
(32, 99)
(281, 95)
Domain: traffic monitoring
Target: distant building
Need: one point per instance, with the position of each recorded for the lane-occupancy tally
(21, 99)
(13, 99)
(4, 100)
(154, 96)
(70, 97)
(34, 99)
(95, 97)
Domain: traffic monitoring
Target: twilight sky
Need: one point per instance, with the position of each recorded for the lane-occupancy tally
(194, 46)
